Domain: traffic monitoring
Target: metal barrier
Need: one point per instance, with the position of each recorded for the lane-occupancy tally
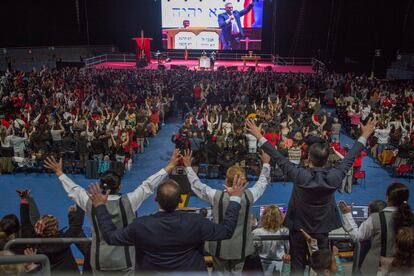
(332, 237)
(21, 259)
(45, 241)
(109, 58)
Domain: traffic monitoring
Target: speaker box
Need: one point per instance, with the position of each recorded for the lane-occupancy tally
(232, 68)
(142, 63)
(180, 176)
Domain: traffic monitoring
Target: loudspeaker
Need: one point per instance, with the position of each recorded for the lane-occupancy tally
(231, 68)
(268, 68)
(180, 176)
(142, 63)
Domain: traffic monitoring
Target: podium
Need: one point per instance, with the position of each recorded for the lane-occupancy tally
(193, 38)
(143, 49)
(204, 62)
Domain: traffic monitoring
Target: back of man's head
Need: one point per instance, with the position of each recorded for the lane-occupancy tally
(322, 262)
(168, 195)
(110, 180)
(318, 154)
(232, 172)
(376, 206)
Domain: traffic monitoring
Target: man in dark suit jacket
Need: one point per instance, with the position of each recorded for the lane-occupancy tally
(312, 205)
(231, 28)
(170, 240)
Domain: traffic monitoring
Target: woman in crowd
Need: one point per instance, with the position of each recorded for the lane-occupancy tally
(271, 252)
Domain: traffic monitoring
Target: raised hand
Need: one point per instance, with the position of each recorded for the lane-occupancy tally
(264, 157)
(52, 164)
(255, 130)
(96, 196)
(175, 158)
(72, 208)
(368, 128)
(30, 251)
(345, 208)
(238, 187)
(23, 194)
(188, 158)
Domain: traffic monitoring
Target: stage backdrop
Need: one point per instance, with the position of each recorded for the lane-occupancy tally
(193, 24)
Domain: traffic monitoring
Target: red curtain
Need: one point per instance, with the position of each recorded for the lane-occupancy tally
(143, 45)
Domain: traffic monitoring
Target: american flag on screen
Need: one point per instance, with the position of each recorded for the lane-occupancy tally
(249, 17)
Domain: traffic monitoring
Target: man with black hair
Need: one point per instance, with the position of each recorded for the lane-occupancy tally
(122, 207)
(169, 240)
(312, 204)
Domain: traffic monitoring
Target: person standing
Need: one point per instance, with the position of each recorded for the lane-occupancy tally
(169, 240)
(312, 205)
(229, 256)
(231, 28)
(106, 259)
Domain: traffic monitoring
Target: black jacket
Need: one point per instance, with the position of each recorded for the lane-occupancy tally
(312, 205)
(60, 255)
(169, 241)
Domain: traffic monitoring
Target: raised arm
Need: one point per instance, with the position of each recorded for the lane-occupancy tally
(27, 229)
(247, 9)
(202, 190)
(364, 232)
(289, 169)
(149, 185)
(74, 191)
(260, 186)
(338, 173)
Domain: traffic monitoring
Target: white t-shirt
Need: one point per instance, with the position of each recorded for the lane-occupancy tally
(272, 250)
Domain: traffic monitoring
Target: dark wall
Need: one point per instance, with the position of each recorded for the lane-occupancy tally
(331, 29)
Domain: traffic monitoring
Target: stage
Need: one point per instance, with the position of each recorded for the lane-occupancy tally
(193, 65)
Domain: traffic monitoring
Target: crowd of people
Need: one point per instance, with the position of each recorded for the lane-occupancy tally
(292, 109)
(81, 115)
(242, 123)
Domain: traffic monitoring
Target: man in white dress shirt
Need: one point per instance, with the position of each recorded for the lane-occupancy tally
(229, 255)
(107, 259)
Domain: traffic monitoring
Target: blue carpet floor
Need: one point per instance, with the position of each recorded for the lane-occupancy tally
(52, 199)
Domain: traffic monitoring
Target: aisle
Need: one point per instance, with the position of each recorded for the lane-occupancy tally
(52, 199)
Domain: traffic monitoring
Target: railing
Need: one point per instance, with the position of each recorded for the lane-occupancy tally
(29, 241)
(298, 61)
(110, 58)
(11, 243)
(283, 61)
(21, 259)
(319, 65)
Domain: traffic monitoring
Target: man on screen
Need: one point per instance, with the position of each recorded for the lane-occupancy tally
(231, 29)
(186, 23)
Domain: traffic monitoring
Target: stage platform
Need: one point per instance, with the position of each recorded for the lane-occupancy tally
(193, 65)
